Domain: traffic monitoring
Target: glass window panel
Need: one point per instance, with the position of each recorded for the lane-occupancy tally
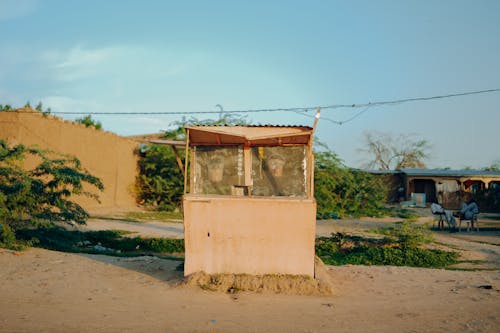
(218, 169)
(279, 171)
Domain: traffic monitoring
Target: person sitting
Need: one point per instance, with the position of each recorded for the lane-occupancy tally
(437, 209)
(469, 209)
(468, 212)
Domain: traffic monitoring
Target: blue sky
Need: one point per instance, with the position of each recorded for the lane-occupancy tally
(133, 56)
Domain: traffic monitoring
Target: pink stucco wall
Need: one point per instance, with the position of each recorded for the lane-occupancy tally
(227, 234)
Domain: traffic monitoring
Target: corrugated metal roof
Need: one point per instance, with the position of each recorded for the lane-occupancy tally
(383, 172)
(259, 125)
(437, 172)
(448, 173)
(263, 135)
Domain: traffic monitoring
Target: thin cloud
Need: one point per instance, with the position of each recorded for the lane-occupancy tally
(120, 61)
(15, 9)
(70, 104)
(79, 57)
(78, 62)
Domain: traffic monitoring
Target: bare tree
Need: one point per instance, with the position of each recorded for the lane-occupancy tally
(495, 166)
(387, 152)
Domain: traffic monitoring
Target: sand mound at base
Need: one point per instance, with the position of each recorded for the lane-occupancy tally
(268, 283)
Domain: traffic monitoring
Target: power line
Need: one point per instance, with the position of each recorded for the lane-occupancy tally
(366, 106)
(405, 100)
(304, 113)
(356, 115)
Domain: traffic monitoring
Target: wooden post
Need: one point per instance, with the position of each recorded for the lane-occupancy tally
(247, 165)
(311, 194)
(311, 155)
(178, 159)
(186, 161)
(316, 119)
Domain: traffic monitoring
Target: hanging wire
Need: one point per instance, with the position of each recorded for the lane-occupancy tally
(299, 110)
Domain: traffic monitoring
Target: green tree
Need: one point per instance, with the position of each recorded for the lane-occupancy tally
(341, 191)
(386, 152)
(88, 121)
(495, 166)
(160, 182)
(42, 193)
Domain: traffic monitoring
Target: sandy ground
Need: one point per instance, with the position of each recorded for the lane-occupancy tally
(46, 291)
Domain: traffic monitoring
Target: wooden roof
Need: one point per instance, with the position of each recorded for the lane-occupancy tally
(249, 135)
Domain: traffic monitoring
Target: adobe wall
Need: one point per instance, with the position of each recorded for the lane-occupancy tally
(251, 235)
(104, 154)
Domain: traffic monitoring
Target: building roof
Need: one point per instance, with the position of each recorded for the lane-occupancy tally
(449, 173)
(382, 172)
(253, 135)
(438, 172)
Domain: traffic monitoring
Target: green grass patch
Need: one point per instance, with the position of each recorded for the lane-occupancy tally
(407, 234)
(403, 213)
(341, 249)
(155, 215)
(104, 241)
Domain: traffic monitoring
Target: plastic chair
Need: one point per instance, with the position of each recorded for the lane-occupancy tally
(441, 220)
(438, 211)
(470, 222)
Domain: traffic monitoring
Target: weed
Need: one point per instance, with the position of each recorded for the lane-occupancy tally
(8, 239)
(407, 234)
(344, 249)
(110, 241)
(403, 213)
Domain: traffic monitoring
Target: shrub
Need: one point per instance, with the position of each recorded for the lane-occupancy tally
(60, 239)
(361, 251)
(160, 183)
(408, 234)
(340, 191)
(488, 199)
(43, 193)
(393, 256)
(7, 238)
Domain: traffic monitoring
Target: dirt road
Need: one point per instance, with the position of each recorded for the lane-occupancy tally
(45, 291)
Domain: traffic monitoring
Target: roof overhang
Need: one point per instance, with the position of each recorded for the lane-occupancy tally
(249, 135)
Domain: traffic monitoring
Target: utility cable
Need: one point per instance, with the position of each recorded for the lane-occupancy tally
(366, 106)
